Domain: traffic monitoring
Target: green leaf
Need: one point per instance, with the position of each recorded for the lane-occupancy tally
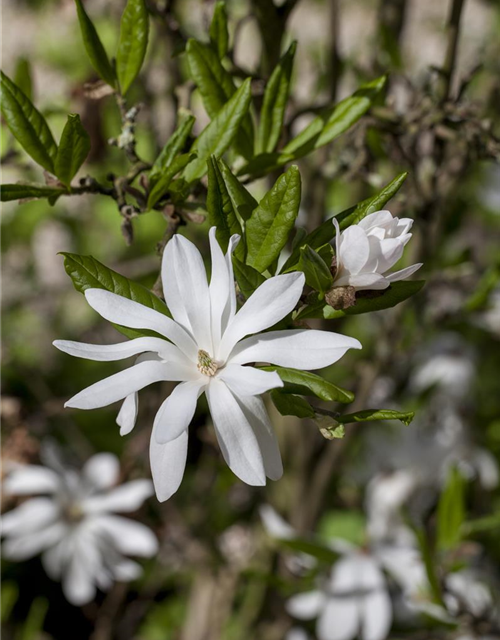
(219, 134)
(248, 278)
(269, 225)
(216, 87)
(219, 36)
(22, 77)
(317, 274)
(27, 124)
(291, 405)
(173, 147)
(163, 182)
(74, 147)
(376, 414)
(134, 31)
(326, 231)
(430, 565)
(325, 128)
(451, 511)
(33, 624)
(243, 202)
(306, 383)
(370, 205)
(88, 273)
(221, 212)
(274, 104)
(21, 190)
(485, 524)
(93, 45)
(366, 302)
(312, 548)
(347, 525)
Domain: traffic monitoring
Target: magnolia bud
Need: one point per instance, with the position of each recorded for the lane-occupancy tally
(341, 297)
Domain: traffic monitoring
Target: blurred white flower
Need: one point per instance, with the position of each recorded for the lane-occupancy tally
(75, 527)
(366, 251)
(205, 348)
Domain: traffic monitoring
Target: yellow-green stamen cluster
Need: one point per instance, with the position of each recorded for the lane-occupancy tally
(206, 365)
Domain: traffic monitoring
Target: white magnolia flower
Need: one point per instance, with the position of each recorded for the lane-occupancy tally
(73, 523)
(205, 348)
(366, 251)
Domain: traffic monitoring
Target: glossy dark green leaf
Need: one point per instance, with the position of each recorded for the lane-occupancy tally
(172, 148)
(306, 383)
(20, 191)
(328, 126)
(219, 36)
(216, 87)
(291, 405)
(22, 77)
(274, 104)
(93, 45)
(88, 273)
(218, 135)
(221, 212)
(133, 42)
(74, 147)
(248, 278)
(376, 414)
(317, 274)
(27, 124)
(163, 182)
(451, 511)
(243, 202)
(270, 224)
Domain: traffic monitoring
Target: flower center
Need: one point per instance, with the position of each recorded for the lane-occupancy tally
(73, 512)
(206, 365)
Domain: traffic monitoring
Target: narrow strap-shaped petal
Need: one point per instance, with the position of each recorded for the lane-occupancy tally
(248, 381)
(26, 546)
(255, 411)
(131, 314)
(402, 274)
(186, 288)
(31, 479)
(340, 618)
(110, 352)
(297, 348)
(168, 462)
(102, 470)
(307, 605)
(271, 302)
(231, 307)
(127, 416)
(361, 281)
(124, 498)
(177, 411)
(354, 249)
(235, 435)
(129, 537)
(31, 515)
(122, 384)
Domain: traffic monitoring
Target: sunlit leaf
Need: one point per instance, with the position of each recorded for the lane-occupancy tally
(306, 383)
(74, 147)
(134, 32)
(292, 405)
(93, 45)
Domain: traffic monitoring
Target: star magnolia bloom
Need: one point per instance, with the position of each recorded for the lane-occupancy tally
(367, 250)
(205, 348)
(75, 526)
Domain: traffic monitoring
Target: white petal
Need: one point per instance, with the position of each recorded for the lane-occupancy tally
(122, 384)
(222, 291)
(339, 620)
(168, 462)
(402, 274)
(337, 239)
(354, 249)
(248, 381)
(306, 606)
(275, 525)
(128, 536)
(31, 479)
(136, 316)
(127, 415)
(102, 470)
(376, 615)
(177, 411)
(391, 250)
(127, 570)
(376, 219)
(235, 435)
(125, 498)
(55, 559)
(29, 516)
(186, 289)
(271, 302)
(255, 412)
(29, 545)
(362, 281)
(78, 582)
(298, 348)
(109, 352)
